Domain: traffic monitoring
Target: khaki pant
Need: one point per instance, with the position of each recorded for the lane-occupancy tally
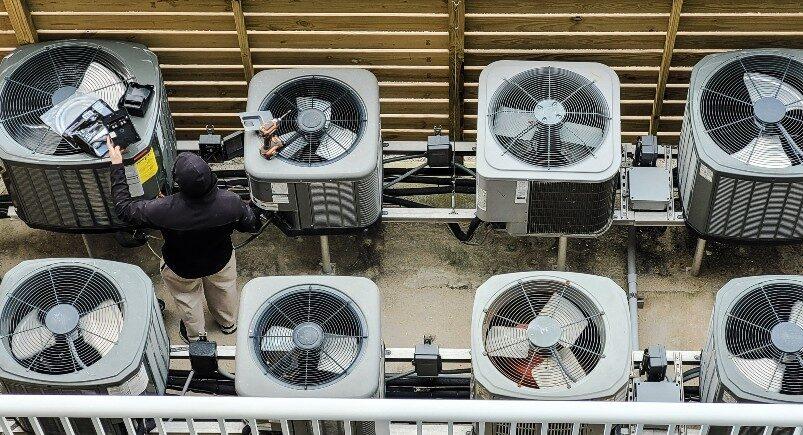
(221, 294)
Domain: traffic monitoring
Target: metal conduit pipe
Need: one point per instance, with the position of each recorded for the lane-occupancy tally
(632, 289)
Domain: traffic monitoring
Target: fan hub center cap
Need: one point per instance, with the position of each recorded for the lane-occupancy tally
(62, 94)
(769, 110)
(787, 337)
(308, 336)
(62, 319)
(311, 120)
(544, 331)
(550, 112)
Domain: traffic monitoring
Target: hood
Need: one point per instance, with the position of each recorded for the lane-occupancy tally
(193, 175)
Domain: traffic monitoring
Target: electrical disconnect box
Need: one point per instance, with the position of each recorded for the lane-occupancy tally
(649, 188)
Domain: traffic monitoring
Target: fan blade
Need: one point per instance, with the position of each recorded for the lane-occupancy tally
(564, 366)
(765, 149)
(763, 85)
(510, 122)
(756, 369)
(30, 337)
(579, 134)
(337, 354)
(100, 328)
(335, 142)
(278, 339)
(507, 342)
(568, 315)
(293, 143)
(104, 83)
(306, 103)
(796, 315)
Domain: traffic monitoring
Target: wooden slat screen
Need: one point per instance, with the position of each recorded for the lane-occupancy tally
(406, 44)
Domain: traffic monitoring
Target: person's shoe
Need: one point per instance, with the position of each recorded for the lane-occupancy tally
(228, 330)
(182, 330)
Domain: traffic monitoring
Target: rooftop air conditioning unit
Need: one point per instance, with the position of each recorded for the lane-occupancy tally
(311, 336)
(75, 326)
(548, 147)
(741, 154)
(755, 347)
(328, 176)
(53, 184)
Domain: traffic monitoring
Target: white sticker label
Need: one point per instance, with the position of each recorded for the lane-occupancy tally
(279, 188)
(522, 187)
(281, 199)
(134, 185)
(706, 173)
(482, 199)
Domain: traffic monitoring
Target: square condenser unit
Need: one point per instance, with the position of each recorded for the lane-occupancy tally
(740, 160)
(550, 336)
(80, 326)
(53, 184)
(755, 345)
(311, 336)
(328, 176)
(548, 147)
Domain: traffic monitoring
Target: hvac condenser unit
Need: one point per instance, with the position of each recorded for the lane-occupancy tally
(548, 147)
(755, 347)
(741, 146)
(328, 176)
(54, 184)
(80, 326)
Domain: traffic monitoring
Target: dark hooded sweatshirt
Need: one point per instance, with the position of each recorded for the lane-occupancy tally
(196, 223)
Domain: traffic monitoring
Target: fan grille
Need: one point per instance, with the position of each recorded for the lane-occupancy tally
(309, 336)
(325, 119)
(752, 109)
(36, 326)
(47, 77)
(515, 349)
(549, 117)
(759, 331)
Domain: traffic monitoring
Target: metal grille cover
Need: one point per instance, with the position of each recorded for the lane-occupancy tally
(72, 324)
(571, 208)
(756, 344)
(309, 337)
(545, 335)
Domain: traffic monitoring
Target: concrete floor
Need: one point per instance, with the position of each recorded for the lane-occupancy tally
(428, 278)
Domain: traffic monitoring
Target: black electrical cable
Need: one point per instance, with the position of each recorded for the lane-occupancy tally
(268, 221)
(403, 202)
(469, 233)
(690, 374)
(399, 376)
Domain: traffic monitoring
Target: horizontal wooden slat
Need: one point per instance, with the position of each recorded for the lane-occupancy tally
(346, 6)
(5, 23)
(517, 22)
(164, 38)
(565, 6)
(400, 90)
(413, 90)
(575, 40)
(172, 72)
(710, 6)
(280, 56)
(347, 21)
(130, 5)
(735, 40)
(340, 39)
(7, 38)
(103, 20)
(624, 57)
(386, 72)
(730, 22)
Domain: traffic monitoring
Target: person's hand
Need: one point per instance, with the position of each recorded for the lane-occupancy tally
(268, 129)
(115, 154)
(275, 145)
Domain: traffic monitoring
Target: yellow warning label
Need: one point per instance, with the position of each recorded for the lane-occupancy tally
(146, 166)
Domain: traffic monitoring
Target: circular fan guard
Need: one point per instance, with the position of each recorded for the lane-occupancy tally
(549, 117)
(62, 319)
(308, 336)
(752, 108)
(544, 333)
(325, 121)
(45, 79)
(764, 337)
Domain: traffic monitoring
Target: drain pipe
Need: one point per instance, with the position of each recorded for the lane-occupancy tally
(632, 289)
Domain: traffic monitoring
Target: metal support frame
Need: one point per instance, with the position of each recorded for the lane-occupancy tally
(326, 260)
(563, 244)
(699, 253)
(88, 247)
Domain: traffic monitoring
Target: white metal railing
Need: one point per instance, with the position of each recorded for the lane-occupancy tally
(391, 414)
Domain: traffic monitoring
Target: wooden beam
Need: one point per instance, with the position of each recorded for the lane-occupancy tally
(666, 62)
(242, 38)
(457, 30)
(20, 18)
